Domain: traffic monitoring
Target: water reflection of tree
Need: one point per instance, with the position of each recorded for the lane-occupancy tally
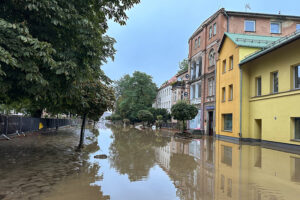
(132, 152)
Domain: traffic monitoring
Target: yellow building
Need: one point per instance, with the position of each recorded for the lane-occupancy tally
(271, 93)
(233, 48)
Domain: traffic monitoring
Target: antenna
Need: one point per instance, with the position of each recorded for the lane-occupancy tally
(247, 6)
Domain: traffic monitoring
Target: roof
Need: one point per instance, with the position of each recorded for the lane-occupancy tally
(272, 46)
(245, 40)
(242, 14)
(180, 73)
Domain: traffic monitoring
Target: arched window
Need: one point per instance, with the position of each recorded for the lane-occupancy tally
(211, 57)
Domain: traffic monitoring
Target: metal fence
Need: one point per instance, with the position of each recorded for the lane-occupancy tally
(12, 124)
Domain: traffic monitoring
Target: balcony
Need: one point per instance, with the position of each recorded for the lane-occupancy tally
(196, 101)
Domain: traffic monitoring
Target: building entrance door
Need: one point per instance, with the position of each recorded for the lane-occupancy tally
(210, 123)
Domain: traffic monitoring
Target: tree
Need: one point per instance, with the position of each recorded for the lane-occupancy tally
(182, 111)
(134, 93)
(145, 116)
(160, 111)
(91, 103)
(183, 66)
(159, 121)
(48, 46)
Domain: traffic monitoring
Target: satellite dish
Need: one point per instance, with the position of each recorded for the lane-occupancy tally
(185, 94)
(187, 76)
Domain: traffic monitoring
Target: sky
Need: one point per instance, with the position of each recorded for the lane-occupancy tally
(155, 38)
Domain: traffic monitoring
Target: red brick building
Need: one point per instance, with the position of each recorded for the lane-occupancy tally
(203, 45)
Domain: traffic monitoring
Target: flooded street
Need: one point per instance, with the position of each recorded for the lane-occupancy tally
(143, 166)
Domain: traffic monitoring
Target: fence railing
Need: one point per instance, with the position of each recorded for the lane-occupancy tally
(13, 124)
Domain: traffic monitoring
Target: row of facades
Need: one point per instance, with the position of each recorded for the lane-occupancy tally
(244, 77)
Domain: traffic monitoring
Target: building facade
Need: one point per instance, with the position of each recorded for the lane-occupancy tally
(203, 46)
(233, 48)
(180, 90)
(271, 93)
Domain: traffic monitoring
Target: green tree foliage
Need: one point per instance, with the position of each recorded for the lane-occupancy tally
(134, 93)
(160, 111)
(183, 66)
(48, 46)
(145, 116)
(182, 111)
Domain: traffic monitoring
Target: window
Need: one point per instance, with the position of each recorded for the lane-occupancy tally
(199, 90)
(210, 32)
(258, 86)
(275, 82)
(215, 28)
(210, 87)
(224, 66)
(211, 57)
(275, 27)
(230, 92)
(223, 94)
(200, 67)
(297, 128)
(297, 77)
(227, 122)
(191, 92)
(199, 41)
(297, 27)
(295, 172)
(196, 43)
(249, 25)
(230, 62)
(194, 91)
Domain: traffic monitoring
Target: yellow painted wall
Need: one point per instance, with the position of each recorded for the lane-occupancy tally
(230, 77)
(274, 110)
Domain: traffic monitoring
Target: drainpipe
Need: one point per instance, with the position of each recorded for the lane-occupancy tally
(241, 98)
(227, 20)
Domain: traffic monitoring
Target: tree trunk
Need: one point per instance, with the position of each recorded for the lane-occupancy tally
(80, 146)
(56, 123)
(182, 126)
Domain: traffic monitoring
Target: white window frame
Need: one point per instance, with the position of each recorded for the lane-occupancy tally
(249, 20)
(274, 22)
(258, 78)
(210, 32)
(273, 82)
(231, 63)
(199, 41)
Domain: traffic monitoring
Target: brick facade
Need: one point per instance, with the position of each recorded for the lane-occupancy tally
(210, 33)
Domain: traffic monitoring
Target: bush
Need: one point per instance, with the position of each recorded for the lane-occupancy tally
(116, 117)
(126, 121)
(145, 116)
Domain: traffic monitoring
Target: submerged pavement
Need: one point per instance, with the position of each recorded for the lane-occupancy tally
(143, 165)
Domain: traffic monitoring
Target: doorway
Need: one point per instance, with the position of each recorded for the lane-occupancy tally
(257, 129)
(210, 123)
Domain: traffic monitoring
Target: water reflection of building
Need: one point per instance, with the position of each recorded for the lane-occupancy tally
(190, 167)
(207, 169)
(255, 173)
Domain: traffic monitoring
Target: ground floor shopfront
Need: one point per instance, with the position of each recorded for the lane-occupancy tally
(204, 121)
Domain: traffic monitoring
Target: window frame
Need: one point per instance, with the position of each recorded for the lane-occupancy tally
(273, 82)
(230, 63)
(224, 66)
(275, 22)
(199, 41)
(215, 29)
(256, 82)
(295, 127)
(210, 32)
(195, 44)
(224, 118)
(295, 78)
(254, 24)
(223, 94)
(230, 97)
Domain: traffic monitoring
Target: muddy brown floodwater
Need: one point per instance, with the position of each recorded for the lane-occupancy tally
(143, 166)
